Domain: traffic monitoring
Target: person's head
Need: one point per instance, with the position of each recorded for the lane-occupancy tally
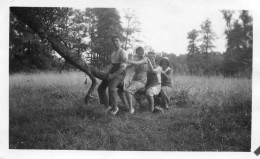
(151, 56)
(164, 63)
(140, 52)
(116, 41)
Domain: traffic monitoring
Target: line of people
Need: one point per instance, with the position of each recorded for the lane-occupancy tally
(150, 80)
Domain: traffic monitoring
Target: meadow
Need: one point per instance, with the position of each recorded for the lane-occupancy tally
(47, 111)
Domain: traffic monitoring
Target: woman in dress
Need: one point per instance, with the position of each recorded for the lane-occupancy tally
(140, 78)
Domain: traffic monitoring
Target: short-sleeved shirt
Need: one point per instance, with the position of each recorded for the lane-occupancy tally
(154, 78)
(118, 60)
(119, 56)
(141, 72)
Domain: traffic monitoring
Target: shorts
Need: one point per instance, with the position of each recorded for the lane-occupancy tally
(166, 92)
(154, 90)
(134, 86)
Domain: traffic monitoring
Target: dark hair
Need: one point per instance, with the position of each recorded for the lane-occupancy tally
(115, 37)
(164, 60)
(140, 48)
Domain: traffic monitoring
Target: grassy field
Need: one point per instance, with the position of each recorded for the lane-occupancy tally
(47, 111)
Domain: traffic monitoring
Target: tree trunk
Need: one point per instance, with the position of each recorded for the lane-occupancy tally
(38, 27)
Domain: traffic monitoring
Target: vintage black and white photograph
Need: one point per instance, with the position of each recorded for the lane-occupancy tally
(141, 78)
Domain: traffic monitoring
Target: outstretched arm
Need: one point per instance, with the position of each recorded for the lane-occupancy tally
(129, 66)
(143, 61)
(119, 71)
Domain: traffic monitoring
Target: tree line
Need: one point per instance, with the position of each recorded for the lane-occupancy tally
(87, 35)
(201, 59)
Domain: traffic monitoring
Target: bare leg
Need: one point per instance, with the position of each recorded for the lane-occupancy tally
(112, 92)
(129, 97)
(164, 100)
(102, 93)
(165, 103)
(123, 98)
(151, 102)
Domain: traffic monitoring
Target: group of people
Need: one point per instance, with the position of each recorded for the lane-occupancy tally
(151, 79)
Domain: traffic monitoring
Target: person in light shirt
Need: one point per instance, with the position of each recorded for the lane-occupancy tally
(114, 79)
(140, 77)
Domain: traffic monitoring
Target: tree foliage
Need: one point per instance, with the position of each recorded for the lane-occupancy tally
(208, 36)
(192, 47)
(239, 35)
(36, 23)
(235, 61)
(201, 59)
(85, 33)
(193, 57)
(26, 50)
(105, 24)
(133, 27)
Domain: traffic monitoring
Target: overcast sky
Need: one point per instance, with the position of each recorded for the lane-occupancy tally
(165, 28)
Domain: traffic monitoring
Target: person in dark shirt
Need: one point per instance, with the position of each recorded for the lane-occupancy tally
(153, 86)
(167, 74)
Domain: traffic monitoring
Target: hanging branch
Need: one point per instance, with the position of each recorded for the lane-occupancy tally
(57, 44)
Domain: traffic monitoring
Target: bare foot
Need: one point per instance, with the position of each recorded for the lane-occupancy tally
(114, 111)
(132, 110)
(108, 109)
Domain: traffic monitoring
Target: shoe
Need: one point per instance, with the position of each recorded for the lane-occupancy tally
(108, 109)
(113, 112)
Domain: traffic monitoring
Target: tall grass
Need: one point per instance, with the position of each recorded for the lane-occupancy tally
(47, 112)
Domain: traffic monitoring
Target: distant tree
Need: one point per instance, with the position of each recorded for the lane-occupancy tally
(180, 64)
(106, 23)
(192, 37)
(239, 35)
(247, 56)
(193, 58)
(208, 36)
(133, 26)
(227, 15)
